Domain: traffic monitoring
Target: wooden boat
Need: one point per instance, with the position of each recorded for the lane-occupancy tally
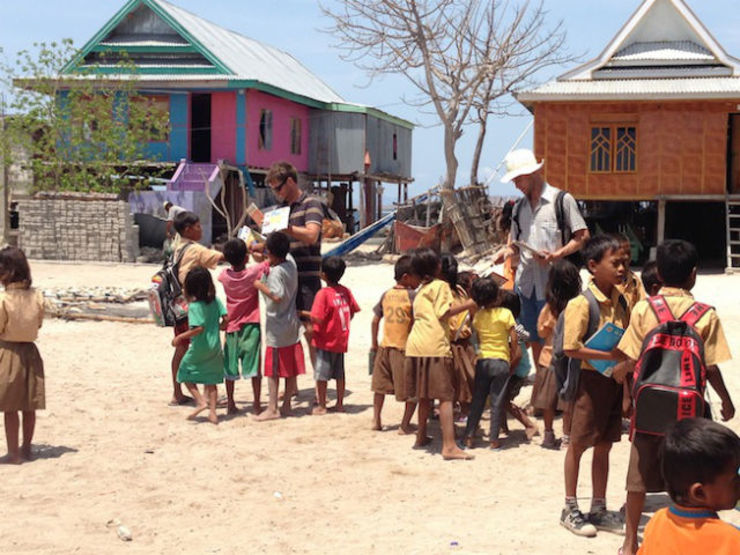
(411, 236)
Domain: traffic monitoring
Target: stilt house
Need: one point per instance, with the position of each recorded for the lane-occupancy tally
(648, 133)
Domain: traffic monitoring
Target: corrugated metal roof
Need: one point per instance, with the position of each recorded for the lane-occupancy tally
(663, 51)
(636, 89)
(249, 59)
(670, 72)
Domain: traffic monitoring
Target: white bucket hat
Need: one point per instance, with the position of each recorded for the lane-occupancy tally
(520, 162)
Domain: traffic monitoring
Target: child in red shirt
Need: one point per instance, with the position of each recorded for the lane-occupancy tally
(333, 308)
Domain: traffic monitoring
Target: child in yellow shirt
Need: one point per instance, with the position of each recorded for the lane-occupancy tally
(498, 354)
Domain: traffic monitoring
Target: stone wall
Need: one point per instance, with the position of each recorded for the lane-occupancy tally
(77, 226)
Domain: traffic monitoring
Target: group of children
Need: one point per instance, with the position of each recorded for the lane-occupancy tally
(205, 362)
(417, 362)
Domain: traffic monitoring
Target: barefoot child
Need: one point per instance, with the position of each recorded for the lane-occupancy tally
(203, 362)
(701, 467)
(243, 330)
(563, 284)
(428, 353)
(187, 225)
(21, 367)
(597, 410)
(511, 301)
(463, 352)
(498, 348)
(333, 309)
(395, 309)
(283, 352)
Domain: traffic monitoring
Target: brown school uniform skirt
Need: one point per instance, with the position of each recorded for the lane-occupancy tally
(463, 360)
(389, 373)
(21, 377)
(597, 410)
(643, 471)
(546, 391)
(431, 378)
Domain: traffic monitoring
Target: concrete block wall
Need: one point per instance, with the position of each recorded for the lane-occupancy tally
(77, 226)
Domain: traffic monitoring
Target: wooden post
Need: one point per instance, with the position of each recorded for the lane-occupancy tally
(661, 221)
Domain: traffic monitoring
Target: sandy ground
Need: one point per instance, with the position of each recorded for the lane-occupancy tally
(110, 448)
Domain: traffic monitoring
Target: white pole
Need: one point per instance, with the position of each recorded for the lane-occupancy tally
(516, 144)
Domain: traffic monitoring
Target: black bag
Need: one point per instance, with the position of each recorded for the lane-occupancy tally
(565, 232)
(670, 375)
(166, 301)
(568, 370)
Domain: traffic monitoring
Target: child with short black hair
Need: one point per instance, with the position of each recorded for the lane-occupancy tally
(563, 284)
(203, 362)
(631, 288)
(677, 262)
(242, 344)
(21, 367)
(597, 409)
(283, 350)
(191, 254)
(498, 348)
(395, 310)
(701, 466)
(650, 279)
(510, 300)
(333, 309)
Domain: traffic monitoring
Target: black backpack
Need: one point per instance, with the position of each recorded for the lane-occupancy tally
(166, 301)
(670, 375)
(567, 370)
(565, 232)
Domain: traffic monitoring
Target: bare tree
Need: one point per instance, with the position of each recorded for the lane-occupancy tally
(452, 51)
(517, 45)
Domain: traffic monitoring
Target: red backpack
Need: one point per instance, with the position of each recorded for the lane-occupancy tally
(670, 375)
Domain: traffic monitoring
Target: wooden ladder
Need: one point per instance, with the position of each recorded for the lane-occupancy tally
(732, 207)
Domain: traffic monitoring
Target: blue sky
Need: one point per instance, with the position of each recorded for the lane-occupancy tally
(294, 26)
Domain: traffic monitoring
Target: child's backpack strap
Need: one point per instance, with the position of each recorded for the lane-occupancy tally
(594, 313)
(694, 313)
(661, 309)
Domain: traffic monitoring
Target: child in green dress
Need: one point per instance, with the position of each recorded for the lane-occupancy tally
(203, 362)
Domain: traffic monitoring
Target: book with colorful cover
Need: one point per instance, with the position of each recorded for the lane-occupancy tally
(605, 340)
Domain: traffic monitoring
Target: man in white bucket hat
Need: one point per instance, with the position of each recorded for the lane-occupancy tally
(535, 223)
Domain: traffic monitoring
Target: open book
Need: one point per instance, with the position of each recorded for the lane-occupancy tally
(605, 339)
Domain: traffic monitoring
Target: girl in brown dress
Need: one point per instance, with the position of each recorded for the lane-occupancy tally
(21, 367)
(563, 284)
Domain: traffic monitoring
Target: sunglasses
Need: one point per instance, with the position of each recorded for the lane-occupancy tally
(282, 184)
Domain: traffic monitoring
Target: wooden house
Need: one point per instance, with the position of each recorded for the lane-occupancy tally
(648, 133)
(231, 98)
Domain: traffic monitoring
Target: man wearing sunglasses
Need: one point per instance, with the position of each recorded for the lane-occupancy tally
(304, 230)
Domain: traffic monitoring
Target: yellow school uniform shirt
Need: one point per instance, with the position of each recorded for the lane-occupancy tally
(21, 313)
(632, 289)
(545, 327)
(429, 336)
(459, 324)
(708, 327)
(682, 530)
(576, 318)
(493, 325)
(196, 255)
(395, 307)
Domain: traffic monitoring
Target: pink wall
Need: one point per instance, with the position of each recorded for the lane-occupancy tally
(282, 111)
(223, 126)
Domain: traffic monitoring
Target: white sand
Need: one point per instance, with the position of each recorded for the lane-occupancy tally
(111, 448)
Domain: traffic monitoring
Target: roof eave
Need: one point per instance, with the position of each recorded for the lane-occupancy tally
(529, 99)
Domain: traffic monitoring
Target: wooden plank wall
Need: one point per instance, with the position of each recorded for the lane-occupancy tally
(681, 147)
